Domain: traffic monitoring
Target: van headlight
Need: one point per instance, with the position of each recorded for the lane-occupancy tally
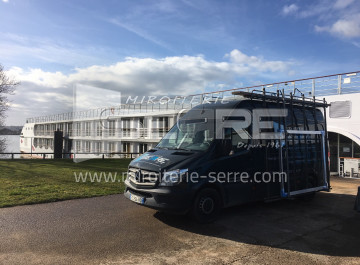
(171, 178)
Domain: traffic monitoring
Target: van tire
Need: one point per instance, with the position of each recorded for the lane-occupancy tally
(206, 206)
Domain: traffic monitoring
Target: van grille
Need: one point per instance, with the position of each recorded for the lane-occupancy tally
(143, 177)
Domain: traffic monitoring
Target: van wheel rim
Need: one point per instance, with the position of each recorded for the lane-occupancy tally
(206, 205)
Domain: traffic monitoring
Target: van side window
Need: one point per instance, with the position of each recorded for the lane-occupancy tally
(298, 119)
(239, 142)
(297, 122)
(320, 120)
(277, 126)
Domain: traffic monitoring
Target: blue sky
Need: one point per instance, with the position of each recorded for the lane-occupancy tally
(153, 47)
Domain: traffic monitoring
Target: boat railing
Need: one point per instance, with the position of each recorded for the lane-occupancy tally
(338, 84)
(70, 155)
(106, 133)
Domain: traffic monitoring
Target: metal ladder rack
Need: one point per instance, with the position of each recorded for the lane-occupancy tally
(280, 95)
(297, 140)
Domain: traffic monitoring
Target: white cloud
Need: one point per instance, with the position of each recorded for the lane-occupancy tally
(340, 4)
(326, 10)
(5, 1)
(321, 29)
(39, 77)
(347, 28)
(341, 18)
(289, 9)
(256, 63)
(45, 93)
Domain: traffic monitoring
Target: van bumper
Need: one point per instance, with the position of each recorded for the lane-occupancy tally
(174, 199)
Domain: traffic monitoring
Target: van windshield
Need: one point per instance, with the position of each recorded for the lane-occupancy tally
(194, 131)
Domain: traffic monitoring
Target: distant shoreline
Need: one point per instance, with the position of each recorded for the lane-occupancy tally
(10, 130)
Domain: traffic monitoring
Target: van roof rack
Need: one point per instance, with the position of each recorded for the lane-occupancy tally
(279, 96)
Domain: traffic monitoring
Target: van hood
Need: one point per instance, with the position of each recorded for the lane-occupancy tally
(163, 159)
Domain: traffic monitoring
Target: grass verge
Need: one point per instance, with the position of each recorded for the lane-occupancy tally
(37, 181)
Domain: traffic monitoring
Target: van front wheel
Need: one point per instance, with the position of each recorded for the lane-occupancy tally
(206, 205)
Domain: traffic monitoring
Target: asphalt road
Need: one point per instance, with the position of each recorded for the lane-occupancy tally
(113, 230)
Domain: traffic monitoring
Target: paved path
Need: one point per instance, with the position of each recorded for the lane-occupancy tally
(113, 230)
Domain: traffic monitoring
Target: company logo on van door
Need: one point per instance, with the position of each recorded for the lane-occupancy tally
(241, 119)
(155, 158)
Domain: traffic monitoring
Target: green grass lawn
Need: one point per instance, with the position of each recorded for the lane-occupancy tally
(36, 181)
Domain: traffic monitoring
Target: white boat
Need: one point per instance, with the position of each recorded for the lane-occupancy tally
(96, 132)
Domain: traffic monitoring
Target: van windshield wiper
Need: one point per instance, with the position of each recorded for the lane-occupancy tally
(184, 149)
(176, 148)
(165, 148)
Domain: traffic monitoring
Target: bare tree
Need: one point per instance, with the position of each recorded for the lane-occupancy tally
(7, 87)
